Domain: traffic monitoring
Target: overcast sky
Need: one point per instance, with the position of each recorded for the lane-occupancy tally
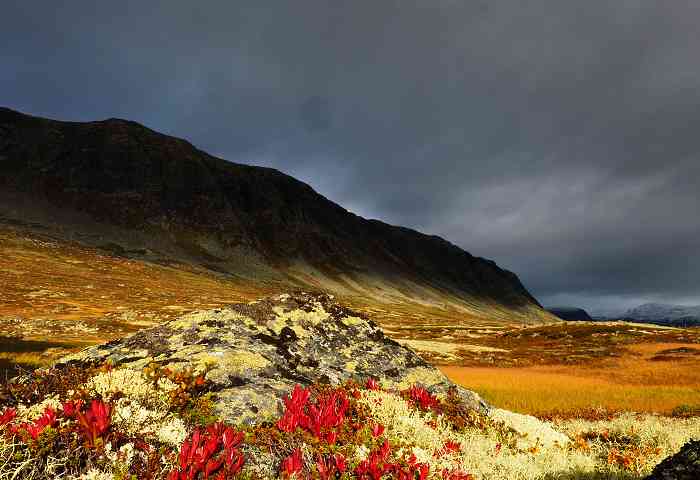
(559, 138)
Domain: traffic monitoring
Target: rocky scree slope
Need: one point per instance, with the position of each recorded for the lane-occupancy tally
(254, 354)
(134, 187)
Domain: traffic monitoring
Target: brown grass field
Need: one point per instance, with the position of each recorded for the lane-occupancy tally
(57, 297)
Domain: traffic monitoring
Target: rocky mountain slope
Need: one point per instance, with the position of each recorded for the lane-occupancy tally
(118, 185)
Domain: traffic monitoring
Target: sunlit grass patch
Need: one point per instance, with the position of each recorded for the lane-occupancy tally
(542, 390)
(17, 354)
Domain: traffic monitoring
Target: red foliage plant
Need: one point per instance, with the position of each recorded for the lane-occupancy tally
(71, 407)
(94, 423)
(292, 465)
(331, 466)
(422, 398)
(377, 465)
(34, 429)
(212, 452)
(377, 429)
(372, 384)
(319, 418)
(7, 416)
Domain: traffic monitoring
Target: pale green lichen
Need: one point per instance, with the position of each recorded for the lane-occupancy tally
(298, 317)
(231, 363)
(427, 376)
(350, 321)
(351, 366)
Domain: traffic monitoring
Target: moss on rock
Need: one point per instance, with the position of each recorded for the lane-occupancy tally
(254, 353)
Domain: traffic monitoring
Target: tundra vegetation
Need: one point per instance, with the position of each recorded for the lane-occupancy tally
(114, 423)
(611, 399)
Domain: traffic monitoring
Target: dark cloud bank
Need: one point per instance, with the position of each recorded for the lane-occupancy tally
(557, 137)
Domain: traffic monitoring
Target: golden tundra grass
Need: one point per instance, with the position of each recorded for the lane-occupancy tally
(633, 382)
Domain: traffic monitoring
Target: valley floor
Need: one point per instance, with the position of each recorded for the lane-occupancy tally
(56, 297)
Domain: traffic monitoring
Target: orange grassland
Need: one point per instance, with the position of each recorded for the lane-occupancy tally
(642, 379)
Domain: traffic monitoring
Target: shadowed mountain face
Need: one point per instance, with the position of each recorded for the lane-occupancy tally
(570, 313)
(116, 182)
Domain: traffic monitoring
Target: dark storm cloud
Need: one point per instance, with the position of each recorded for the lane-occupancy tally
(556, 137)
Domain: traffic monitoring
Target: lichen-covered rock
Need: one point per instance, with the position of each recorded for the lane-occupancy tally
(253, 354)
(685, 465)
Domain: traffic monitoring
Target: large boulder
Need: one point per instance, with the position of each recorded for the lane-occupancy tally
(253, 354)
(684, 465)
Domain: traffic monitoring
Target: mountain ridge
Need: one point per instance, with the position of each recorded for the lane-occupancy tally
(124, 177)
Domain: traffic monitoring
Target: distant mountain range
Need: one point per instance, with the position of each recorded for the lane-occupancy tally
(664, 314)
(570, 313)
(118, 184)
(656, 313)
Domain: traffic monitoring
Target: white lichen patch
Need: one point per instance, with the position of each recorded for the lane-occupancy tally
(478, 450)
(172, 432)
(663, 433)
(133, 384)
(136, 419)
(534, 429)
(541, 451)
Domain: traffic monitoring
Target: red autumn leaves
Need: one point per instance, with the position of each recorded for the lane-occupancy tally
(319, 418)
(35, 428)
(324, 417)
(93, 424)
(327, 420)
(212, 453)
(7, 416)
(421, 398)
